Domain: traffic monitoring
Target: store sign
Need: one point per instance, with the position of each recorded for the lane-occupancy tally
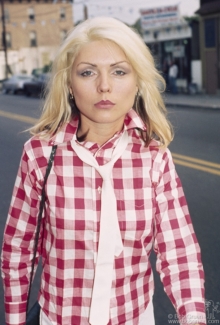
(159, 17)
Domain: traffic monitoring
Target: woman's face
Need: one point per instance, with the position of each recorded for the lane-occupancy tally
(103, 84)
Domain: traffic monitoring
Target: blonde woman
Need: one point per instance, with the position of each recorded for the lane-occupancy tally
(112, 195)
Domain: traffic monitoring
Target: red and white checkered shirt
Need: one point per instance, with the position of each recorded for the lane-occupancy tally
(150, 200)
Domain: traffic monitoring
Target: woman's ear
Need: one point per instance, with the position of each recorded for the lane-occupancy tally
(71, 93)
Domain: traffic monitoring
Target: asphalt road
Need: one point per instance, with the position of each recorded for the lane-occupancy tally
(196, 150)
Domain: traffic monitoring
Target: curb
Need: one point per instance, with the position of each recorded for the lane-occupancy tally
(192, 106)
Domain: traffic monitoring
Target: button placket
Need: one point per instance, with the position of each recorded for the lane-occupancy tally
(95, 223)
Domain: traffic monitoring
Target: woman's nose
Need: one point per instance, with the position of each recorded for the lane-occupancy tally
(104, 83)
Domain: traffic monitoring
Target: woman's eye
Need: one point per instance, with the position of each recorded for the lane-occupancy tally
(119, 72)
(86, 73)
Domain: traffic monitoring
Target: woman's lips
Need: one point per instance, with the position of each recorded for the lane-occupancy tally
(104, 104)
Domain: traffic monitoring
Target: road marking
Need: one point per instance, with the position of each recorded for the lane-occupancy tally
(18, 117)
(195, 163)
(198, 167)
(196, 160)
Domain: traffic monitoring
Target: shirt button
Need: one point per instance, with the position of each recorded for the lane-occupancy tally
(99, 190)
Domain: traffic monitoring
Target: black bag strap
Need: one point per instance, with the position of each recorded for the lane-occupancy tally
(42, 202)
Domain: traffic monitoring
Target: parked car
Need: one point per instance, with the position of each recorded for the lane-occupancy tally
(36, 86)
(15, 84)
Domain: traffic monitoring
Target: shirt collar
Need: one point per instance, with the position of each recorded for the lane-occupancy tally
(133, 121)
(68, 131)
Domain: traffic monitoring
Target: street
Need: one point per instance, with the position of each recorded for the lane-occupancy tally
(196, 151)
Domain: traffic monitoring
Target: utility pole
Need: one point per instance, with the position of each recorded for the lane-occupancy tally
(85, 12)
(85, 9)
(4, 38)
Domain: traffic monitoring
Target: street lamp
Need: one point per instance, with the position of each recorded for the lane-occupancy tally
(4, 41)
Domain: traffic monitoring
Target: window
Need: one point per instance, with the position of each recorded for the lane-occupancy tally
(8, 39)
(62, 13)
(33, 39)
(210, 35)
(31, 14)
(6, 15)
(63, 35)
(2, 42)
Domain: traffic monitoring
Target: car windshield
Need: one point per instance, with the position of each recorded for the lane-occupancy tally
(23, 77)
(43, 77)
(20, 77)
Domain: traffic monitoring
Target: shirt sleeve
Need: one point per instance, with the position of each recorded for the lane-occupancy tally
(18, 242)
(177, 248)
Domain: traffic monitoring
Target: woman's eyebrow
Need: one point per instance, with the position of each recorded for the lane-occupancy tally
(92, 64)
(113, 64)
(95, 65)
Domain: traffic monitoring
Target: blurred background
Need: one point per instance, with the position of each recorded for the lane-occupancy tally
(186, 31)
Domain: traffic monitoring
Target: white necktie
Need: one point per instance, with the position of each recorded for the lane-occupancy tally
(110, 243)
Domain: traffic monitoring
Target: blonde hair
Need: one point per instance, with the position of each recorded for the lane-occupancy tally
(149, 104)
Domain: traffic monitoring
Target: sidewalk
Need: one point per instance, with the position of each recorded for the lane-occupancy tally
(192, 101)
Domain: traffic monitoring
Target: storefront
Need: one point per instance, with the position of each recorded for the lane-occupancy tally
(169, 37)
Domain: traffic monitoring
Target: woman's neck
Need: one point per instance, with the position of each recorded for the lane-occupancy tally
(99, 133)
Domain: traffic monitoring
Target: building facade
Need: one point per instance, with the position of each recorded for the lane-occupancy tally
(34, 30)
(210, 45)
